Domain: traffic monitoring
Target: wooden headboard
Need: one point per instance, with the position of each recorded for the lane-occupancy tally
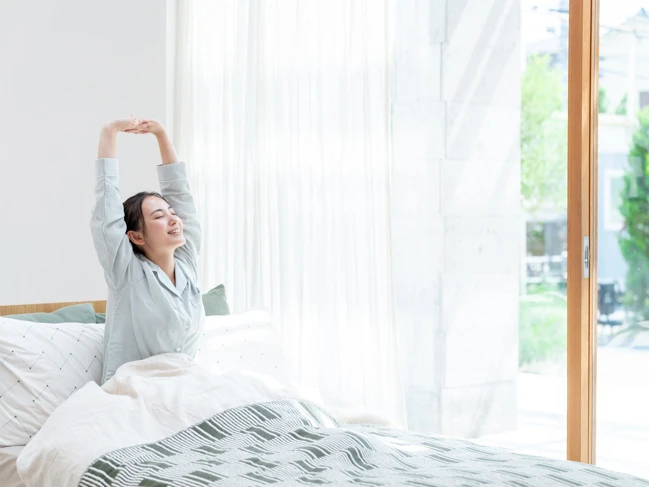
(16, 309)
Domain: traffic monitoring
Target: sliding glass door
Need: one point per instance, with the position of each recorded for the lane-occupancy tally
(520, 189)
(602, 232)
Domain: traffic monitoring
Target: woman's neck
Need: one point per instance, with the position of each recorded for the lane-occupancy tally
(166, 263)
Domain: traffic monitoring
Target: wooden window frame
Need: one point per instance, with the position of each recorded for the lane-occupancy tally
(583, 50)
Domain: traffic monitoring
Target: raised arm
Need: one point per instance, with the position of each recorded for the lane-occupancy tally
(107, 223)
(174, 186)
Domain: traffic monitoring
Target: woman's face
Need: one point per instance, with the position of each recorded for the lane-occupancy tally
(164, 230)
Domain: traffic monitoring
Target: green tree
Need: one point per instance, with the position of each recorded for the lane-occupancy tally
(621, 107)
(543, 137)
(634, 239)
(601, 100)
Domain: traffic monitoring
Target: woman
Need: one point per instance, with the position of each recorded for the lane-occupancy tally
(149, 249)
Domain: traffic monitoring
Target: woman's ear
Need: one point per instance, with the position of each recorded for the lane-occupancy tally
(136, 237)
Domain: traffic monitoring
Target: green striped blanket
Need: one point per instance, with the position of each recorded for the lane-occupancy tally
(294, 443)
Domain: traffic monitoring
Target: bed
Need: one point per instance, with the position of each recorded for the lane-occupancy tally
(232, 417)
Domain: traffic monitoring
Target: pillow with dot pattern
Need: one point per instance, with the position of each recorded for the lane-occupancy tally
(41, 365)
(245, 341)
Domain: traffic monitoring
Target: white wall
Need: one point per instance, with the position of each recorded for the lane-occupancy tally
(66, 67)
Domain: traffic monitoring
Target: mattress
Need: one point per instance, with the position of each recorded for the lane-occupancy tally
(8, 474)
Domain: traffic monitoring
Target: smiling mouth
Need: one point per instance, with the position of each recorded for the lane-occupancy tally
(175, 232)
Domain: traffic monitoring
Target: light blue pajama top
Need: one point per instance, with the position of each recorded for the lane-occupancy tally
(146, 314)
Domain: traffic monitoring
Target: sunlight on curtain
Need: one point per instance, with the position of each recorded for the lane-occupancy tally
(282, 110)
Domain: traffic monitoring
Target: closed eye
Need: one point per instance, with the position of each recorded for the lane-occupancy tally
(170, 209)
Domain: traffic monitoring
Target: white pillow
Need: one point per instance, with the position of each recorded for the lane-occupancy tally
(41, 365)
(245, 341)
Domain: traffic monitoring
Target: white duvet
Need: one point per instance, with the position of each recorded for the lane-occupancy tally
(144, 402)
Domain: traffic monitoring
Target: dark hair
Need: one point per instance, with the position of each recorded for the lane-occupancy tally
(134, 217)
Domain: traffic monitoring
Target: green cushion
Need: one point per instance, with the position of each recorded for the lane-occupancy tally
(77, 313)
(214, 301)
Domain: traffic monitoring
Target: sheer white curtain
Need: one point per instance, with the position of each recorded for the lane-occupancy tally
(282, 109)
